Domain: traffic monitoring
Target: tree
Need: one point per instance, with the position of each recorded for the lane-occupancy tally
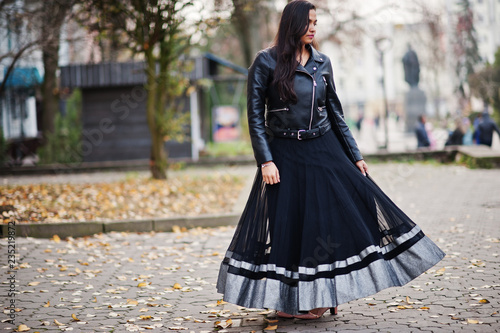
(154, 30)
(485, 84)
(37, 25)
(466, 48)
(52, 16)
(249, 20)
(13, 22)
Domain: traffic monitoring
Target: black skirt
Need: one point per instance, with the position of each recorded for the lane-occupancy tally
(323, 236)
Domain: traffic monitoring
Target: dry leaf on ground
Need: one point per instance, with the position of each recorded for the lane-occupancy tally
(223, 324)
(22, 328)
(135, 198)
(271, 328)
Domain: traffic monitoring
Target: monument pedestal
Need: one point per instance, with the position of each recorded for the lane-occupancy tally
(415, 105)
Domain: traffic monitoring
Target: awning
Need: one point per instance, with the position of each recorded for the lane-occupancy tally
(23, 77)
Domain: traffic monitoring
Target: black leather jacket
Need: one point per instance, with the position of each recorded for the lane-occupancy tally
(318, 103)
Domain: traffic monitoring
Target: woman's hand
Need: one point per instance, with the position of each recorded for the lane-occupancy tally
(362, 166)
(270, 173)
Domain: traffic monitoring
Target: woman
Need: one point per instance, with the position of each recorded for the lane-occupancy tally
(316, 231)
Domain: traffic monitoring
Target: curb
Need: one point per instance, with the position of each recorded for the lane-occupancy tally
(88, 228)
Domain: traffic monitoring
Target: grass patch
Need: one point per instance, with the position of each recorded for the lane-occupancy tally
(228, 149)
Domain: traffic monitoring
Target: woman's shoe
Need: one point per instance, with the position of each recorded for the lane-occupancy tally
(282, 314)
(316, 313)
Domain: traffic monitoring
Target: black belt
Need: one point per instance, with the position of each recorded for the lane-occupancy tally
(300, 134)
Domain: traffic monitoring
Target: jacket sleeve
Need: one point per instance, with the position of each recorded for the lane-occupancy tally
(258, 76)
(336, 115)
(495, 127)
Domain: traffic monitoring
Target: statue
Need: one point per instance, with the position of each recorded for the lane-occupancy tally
(415, 99)
(412, 67)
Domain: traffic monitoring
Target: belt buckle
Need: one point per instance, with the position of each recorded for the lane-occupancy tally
(298, 134)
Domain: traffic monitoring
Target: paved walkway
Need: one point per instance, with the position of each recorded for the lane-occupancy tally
(162, 282)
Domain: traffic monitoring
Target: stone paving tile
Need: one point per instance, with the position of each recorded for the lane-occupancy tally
(109, 281)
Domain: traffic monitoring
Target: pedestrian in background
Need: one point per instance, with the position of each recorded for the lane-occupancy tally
(485, 130)
(456, 137)
(477, 121)
(421, 132)
(468, 134)
(316, 231)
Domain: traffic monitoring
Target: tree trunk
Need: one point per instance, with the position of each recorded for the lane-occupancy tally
(158, 159)
(50, 98)
(52, 20)
(247, 25)
(437, 93)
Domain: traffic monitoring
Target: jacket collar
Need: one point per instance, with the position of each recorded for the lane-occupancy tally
(315, 54)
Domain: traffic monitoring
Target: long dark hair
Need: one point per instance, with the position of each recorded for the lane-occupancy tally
(293, 25)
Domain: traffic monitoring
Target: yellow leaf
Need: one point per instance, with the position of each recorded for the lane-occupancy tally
(63, 268)
(176, 229)
(472, 321)
(142, 284)
(224, 324)
(271, 328)
(34, 283)
(132, 302)
(272, 321)
(144, 317)
(55, 238)
(424, 308)
(177, 286)
(23, 328)
(58, 323)
(484, 301)
(74, 317)
(48, 251)
(220, 302)
(46, 305)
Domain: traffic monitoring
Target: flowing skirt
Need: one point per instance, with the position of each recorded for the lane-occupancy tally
(323, 236)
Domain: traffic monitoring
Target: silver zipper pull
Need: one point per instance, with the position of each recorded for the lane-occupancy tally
(315, 84)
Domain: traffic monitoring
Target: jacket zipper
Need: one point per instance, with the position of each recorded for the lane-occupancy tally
(314, 91)
(276, 110)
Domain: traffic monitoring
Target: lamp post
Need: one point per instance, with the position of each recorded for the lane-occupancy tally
(382, 44)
